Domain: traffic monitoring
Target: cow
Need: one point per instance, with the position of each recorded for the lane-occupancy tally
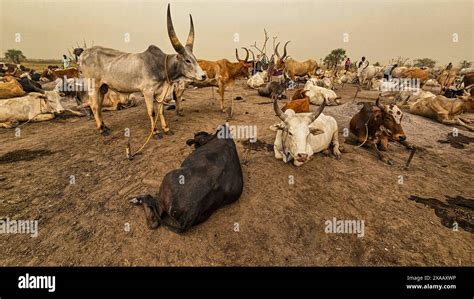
(32, 107)
(317, 95)
(222, 73)
(274, 89)
(113, 101)
(10, 88)
(416, 73)
(432, 85)
(53, 74)
(257, 80)
(447, 78)
(179, 206)
(295, 68)
(151, 72)
(298, 105)
(325, 82)
(299, 136)
(444, 110)
(398, 71)
(375, 124)
(366, 75)
(410, 96)
(27, 84)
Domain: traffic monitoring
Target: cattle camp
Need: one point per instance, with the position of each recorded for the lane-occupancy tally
(191, 139)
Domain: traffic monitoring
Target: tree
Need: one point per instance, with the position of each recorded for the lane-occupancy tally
(400, 61)
(14, 55)
(333, 59)
(424, 62)
(377, 64)
(465, 64)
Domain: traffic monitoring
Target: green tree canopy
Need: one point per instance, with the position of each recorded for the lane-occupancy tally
(333, 59)
(424, 62)
(15, 55)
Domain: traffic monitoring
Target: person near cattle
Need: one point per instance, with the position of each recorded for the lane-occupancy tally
(388, 71)
(362, 65)
(66, 62)
(347, 65)
(449, 66)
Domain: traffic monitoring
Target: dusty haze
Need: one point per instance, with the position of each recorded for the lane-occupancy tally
(380, 30)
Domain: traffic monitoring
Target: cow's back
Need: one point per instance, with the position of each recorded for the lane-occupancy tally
(210, 177)
(321, 141)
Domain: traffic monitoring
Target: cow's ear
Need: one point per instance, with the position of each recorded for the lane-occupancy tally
(315, 131)
(277, 127)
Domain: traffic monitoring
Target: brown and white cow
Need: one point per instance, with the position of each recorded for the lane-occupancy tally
(375, 124)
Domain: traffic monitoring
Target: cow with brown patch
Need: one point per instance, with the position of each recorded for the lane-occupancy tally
(375, 124)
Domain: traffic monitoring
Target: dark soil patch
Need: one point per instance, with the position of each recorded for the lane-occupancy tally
(23, 155)
(457, 141)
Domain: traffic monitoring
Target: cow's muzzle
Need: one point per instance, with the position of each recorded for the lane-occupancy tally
(301, 157)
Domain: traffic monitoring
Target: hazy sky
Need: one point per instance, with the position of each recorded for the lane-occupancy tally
(378, 29)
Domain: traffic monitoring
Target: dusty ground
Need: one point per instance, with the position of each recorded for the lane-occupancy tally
(279, 224)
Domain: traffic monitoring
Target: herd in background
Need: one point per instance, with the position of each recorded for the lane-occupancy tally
(121, 79)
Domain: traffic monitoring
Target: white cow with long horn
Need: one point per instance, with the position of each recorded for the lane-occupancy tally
(301, 135)
(151, 72)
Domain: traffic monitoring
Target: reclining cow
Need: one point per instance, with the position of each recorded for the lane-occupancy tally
(444, 110)
(317, 95)
(274, 89)
(373, 125)
(301, 135)
(10, 88)
(32, 107)
(298, 105)
(257, 80)
(209, 178)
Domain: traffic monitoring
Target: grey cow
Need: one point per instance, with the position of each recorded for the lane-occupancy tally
(151, 73)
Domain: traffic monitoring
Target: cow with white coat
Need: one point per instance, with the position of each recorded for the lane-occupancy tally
(300, 136)
(317, 95)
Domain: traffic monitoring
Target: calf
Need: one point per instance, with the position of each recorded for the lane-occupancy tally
(374, 125)
(209, 178)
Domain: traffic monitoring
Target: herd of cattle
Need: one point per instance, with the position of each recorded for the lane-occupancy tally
(121, 79)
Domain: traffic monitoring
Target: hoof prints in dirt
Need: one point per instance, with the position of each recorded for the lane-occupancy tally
(458, 209)
(457, 141)
(257, 145)
(23, 155)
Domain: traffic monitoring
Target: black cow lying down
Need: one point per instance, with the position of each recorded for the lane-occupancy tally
(209, 178)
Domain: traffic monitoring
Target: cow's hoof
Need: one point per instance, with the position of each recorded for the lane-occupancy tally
(158, 135)
(105, 131)
(169, 133)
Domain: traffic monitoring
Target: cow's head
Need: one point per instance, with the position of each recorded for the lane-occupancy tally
(200, 138)
(280, 63)
(187, 63)
(391, 119)
(296, 131)
(243, 66)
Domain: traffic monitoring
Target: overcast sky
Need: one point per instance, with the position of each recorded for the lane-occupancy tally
(378, 29)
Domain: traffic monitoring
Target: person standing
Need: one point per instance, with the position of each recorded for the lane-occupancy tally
(347, 65)
(66, 62)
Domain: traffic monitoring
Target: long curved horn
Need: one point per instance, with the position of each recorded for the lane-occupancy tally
(178, 47)
(237, 54)
(284, 50)
(316, 114)
(190, 41)
(246, 57)
(253, 54)
(276, 50)
(278, 111)
(377, 103)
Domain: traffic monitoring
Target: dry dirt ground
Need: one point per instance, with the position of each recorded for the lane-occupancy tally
(92, 222)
